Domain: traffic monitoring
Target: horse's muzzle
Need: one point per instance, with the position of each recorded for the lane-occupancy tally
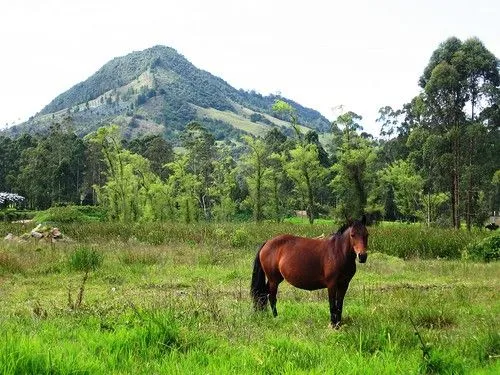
(362, 257)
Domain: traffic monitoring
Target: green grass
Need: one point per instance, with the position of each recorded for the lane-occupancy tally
(172, 298)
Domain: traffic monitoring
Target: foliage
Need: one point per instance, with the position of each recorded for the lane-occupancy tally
(69, 214)
(407, 185)
(126, 192)
(85, 259)
(240, 238)
(353, 177)
(255, 168)
(305, 169)
(486, 250)
(11, 214)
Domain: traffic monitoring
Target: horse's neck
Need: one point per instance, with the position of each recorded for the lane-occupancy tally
(342, 248)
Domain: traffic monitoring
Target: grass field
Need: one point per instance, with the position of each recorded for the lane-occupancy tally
(174, 299)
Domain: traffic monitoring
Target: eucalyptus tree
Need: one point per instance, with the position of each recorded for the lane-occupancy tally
(201, 152)
(407, 185)
(184, 186)
(278, 147)
(354, 170)
(255, 169)
(460, 79)
(223, 188)
(52, 171)
(156, 149)
(306, 163)
(305, 169)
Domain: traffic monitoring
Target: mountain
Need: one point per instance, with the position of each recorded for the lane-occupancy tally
(159, 91)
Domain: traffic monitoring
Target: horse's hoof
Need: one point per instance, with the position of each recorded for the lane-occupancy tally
(335, 326)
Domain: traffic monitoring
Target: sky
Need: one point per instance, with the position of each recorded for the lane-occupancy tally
(331, 56)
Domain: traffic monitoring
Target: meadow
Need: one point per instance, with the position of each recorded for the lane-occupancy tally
(174, 299)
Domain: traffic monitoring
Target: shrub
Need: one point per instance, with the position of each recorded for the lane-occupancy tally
(85, 259)
(12, 214)
(486, 250)
(240, 238)
(70, 214)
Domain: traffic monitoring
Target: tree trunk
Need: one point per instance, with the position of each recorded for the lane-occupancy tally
(258, 203)
(310, 199)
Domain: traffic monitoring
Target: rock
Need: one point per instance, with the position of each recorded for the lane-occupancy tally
(36, 234)
(56, 233)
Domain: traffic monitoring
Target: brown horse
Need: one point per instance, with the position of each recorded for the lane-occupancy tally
(310, 264)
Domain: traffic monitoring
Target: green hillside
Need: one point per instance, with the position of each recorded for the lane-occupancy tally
(159, 91)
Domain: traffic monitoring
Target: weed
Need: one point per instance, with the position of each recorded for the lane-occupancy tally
(9, 263)
(486, 250)
(85, 259)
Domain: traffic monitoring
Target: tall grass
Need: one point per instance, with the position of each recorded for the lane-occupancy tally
(401, 241)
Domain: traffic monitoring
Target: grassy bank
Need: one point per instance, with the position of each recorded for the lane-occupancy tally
(174, 299)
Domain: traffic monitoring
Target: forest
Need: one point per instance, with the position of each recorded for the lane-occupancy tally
(437, 161)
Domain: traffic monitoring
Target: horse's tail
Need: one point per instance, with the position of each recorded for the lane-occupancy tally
(258, 288)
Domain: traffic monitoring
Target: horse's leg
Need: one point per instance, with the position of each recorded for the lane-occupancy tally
(273, 291)
(332, 299)
(339, 300)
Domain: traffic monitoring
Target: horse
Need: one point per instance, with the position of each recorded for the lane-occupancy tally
(310, 264)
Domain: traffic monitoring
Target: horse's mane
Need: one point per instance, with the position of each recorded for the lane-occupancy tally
(342, 229)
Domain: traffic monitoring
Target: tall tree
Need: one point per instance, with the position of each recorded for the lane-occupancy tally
(201, 151)
(52, 171)
(156, 149)
(255, 166)
(305, 169)
(407, 185)
(460, 75)
(128, 178)
(354, 172)
(224, 185)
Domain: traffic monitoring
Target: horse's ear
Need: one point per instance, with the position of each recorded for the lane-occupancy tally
(363, 219)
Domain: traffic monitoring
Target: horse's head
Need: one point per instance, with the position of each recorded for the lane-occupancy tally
(358, 237)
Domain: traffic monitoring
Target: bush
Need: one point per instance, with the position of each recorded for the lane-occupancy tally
(240, 238)
(11, 214)
(416, 241)
(85, 259)
(486, 250)
(70, 214)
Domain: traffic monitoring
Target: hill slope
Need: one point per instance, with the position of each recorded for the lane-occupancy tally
(158, 90)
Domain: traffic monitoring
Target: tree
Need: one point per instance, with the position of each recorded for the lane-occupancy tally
(255, 168)
(288, 113)
(347, 125)
(407, 186)
(354, 175)
(201, 151)
(184, 186)
(305, 169)
(353, 172)
(156, 149)
(279, 183)
(459, 75)
(128, 178)
(224, 186)
(52, 171)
